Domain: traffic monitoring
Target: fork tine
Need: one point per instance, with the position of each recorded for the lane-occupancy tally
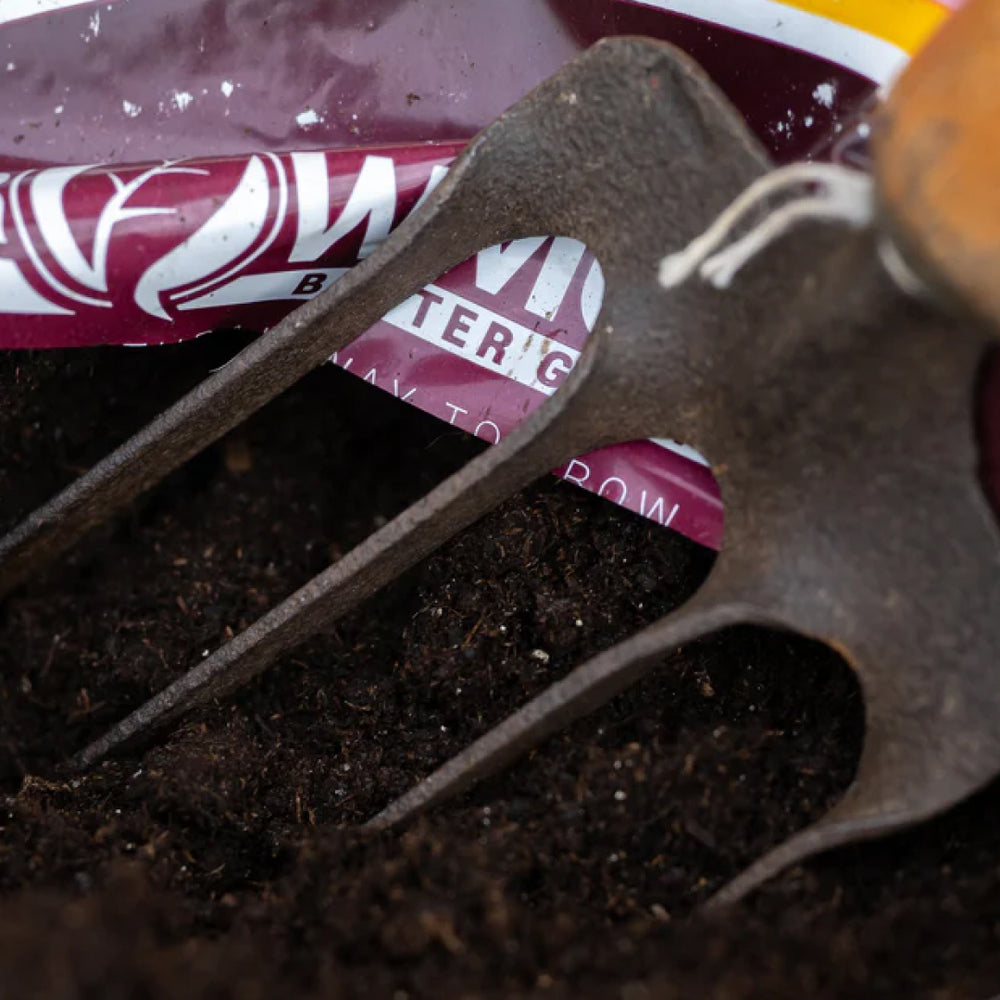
(915, 765)
(925, 652)
(585, 689)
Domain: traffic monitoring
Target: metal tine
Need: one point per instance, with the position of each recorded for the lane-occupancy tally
(276, 360)
(514, 180)
(930, 684)
(909, 772)
(828, 495)
(625, 150)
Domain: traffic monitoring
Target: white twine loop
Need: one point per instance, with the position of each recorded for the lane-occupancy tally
(839, 195)
(905, 277)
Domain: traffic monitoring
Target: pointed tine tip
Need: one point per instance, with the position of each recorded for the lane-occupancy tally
(904, 777)
(487, 755)
(85, 759)
(864, 813)
(398, 811)
(189, 690)
(133, 727)
(840, 827)
(517, 734)
(585, 689)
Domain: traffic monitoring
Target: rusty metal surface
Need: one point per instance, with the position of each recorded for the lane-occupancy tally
(938, 159)
(811, 374)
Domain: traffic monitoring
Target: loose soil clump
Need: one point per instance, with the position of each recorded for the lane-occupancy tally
(223, 859)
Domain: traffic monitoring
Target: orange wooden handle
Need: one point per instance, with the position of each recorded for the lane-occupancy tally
(937, 158)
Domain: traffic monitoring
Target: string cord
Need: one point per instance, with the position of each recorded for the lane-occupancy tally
(837, 195)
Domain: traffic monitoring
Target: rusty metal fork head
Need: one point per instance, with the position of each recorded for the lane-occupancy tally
(838, 408)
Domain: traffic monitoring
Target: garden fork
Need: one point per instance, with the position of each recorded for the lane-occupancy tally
(830, 372)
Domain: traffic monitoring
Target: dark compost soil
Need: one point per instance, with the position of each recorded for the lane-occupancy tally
(221, 861)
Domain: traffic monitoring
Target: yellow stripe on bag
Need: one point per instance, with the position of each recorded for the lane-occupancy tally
(906, 23)
(872, 37)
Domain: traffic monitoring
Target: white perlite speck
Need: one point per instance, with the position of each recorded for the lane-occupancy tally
(308, 117)
(824, 94)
